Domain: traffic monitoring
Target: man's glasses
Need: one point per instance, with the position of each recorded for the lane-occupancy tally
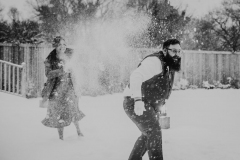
(175, 51)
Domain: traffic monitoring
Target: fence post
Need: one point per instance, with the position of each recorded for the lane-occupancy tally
(23, 80)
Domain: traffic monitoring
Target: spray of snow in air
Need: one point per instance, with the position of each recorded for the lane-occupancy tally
(105, 46)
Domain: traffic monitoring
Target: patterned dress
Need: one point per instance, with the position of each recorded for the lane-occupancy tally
(63, 102)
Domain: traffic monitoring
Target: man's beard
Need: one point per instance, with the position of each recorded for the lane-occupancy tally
(174, 62)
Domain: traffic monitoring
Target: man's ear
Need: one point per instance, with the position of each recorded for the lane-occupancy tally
(165, 51)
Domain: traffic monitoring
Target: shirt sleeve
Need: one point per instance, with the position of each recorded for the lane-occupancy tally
(149, 67)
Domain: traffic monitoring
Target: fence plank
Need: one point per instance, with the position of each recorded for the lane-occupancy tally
(21, 55)
(9, 78)
(235, 74)
(5, 77)
(219, 67)
(223, 65)
(1, 52)
(1, 75)
(5, 53)
(23, 80)
(235, 67)
(203, 68)
(182, 66)
(198, 69)
(195, 68)
(206, 67)
(189, 68)
(38, 71)
(238, 63)
(227, 66)
(13, 73)
(18, 80)
(10, 54)
(231, 65)
(186, 66)
(26, 60)
(212, 68)
(16, 54)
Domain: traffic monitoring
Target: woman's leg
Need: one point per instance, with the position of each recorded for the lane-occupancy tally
(60, 133)
(78, 128)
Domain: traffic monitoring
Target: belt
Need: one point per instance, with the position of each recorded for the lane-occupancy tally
(156, 109)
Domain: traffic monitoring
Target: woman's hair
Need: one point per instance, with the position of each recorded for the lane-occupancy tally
(56, 41)
(53, 54)
(52, 57)
(169, 42)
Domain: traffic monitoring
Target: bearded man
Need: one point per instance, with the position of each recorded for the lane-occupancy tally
(150, 85)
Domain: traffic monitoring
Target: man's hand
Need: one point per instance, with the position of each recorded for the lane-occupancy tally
(67, 69)
(139, 108)
(163, 109)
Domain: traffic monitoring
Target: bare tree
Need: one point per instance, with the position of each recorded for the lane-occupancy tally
(59, 17)
(14, 14)
(167, 21)
(1, 8)
(226, 24)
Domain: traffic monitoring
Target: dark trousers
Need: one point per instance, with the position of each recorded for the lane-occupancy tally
(148, 124)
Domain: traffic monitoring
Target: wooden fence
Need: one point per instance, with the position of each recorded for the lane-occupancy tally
(197, 66)
(32, 56)
(12, 78)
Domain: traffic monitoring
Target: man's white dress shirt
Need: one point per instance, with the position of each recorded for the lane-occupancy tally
(149, 67)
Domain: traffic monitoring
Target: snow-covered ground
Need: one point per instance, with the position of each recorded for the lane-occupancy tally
(204, 125)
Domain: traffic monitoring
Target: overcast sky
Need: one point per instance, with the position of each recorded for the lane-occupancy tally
(196, 8)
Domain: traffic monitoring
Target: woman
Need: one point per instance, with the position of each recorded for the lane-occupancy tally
(59, 91)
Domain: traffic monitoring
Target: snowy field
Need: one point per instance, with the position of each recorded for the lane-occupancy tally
(205, 125)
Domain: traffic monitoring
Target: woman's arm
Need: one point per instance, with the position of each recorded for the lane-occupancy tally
(50, 74)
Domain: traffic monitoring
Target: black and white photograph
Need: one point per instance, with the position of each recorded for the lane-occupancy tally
(119, 79)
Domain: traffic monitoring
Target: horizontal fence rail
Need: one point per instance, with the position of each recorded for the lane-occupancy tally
(12, 78)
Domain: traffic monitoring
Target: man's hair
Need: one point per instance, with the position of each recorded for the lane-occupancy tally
(169, 42)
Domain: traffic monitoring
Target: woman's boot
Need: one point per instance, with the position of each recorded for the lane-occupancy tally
(78, 129)
(60, 133)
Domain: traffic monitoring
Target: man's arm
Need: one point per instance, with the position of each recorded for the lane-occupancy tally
(149, 67)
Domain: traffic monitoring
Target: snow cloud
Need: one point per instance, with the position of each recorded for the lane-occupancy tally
(102, 48)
